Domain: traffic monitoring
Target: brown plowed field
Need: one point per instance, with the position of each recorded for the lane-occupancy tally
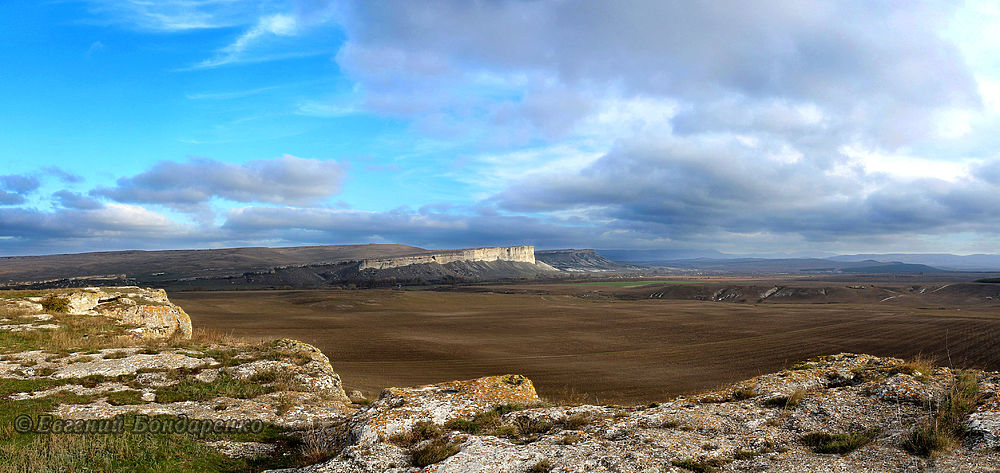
(610, 351)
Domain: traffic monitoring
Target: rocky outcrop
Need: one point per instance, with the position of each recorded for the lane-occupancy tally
(759, 425)
(397, 410)
(148, 309)
(522, 254)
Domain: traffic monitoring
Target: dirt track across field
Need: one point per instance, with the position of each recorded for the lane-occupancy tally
(635, 351)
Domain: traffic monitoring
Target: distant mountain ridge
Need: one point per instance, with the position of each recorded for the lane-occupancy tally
(976, 262)
(298, 267)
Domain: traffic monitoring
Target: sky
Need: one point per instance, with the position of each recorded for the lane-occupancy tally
(769, 127)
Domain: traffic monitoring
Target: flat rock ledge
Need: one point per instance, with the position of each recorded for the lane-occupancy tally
(148, 310)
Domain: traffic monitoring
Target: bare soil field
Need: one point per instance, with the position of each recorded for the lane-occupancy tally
(601, 349)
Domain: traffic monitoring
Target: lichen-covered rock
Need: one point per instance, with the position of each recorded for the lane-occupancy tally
(148, 309)
(740, 428)
(128, 365)
(984, 430)
(398, 409)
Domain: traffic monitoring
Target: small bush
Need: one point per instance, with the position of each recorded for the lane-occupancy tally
(577, 421)
(741, 454)
(699, 466)
(433, 452)
(841, 443)
(56, 304)
(570, 439)
(115, 355)
(743, 394)
(541, 467)
(421, 431)
(463, 425)
(786, 402)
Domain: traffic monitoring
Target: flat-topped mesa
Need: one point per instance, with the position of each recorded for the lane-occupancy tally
(520, 254)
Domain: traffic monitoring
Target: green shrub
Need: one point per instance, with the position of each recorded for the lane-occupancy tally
(822, 442)
(55, 304)
(699, 466)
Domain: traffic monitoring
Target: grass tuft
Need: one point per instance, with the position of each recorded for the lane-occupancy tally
(839, 443)
(945, 429)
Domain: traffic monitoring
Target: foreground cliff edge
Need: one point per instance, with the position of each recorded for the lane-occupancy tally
(115, 379)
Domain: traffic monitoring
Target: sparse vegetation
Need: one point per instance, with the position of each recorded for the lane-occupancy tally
(119, 398)
(433, 452)
(920, 366)
(223, 386)
(786, 402)
(115, 355)
(945, 428)
(741, 454)
(570, 439)
(743, 394)
(699, 466)
(426, 443)
(576, 421)
(59, 305)
(543, 466)
(839, 443)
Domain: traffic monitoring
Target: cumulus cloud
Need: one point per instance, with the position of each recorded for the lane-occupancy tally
(73, 200)
(9, 198)
(733, 187)
(190, 184)
(866, 64)
(111, 226)
(19, 184)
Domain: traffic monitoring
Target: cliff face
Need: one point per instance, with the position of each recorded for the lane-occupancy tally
(522, 254)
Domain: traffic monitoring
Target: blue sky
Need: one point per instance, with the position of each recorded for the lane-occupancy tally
(789, 127)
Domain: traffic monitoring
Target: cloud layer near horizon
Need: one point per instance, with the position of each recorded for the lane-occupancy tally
(784, 126)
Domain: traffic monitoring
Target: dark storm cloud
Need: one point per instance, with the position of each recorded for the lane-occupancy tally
(688, 189)
(189, 185)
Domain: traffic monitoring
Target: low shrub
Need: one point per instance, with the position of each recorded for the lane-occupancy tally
(839, 443)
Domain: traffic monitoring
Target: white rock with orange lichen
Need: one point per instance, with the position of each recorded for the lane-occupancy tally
(398, 409)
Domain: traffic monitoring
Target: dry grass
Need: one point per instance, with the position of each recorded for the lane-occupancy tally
(314, 448)
(946, 428)
(920, 366)
(787, 402)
